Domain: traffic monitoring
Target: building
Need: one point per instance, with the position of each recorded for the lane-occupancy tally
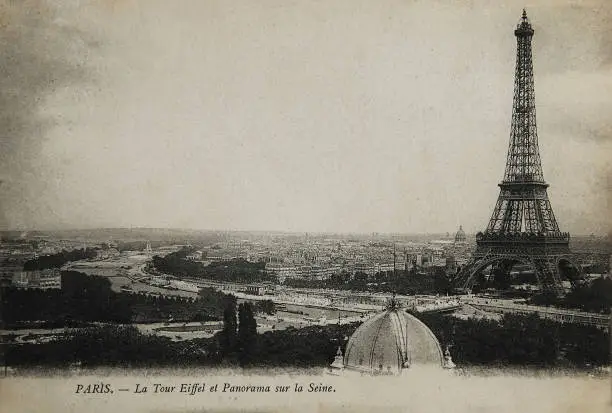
(324, 273)
(159, 281)
(254, 289)
(283, 271)
(9, 269)
(184, 286)
(460, 237)
(196, 256)
(105, 254)
(364, 267)
(42, 279)
(390, 343)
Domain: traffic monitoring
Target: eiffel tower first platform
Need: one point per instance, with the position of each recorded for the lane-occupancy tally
(523, 228)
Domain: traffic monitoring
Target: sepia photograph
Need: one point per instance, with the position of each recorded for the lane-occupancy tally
(305, 206)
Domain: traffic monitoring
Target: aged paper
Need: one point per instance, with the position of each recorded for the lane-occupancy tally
(330, 165)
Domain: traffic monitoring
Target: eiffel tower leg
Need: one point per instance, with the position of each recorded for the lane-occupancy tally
(468, 276)
(500, 267)
(548, 275)
(463, 279)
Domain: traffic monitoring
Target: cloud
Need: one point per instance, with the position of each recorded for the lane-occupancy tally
(356, 116)
(39, 55)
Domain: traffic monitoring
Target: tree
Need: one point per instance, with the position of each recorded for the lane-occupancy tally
(595, 297)
(442, 284)
(266, 307)
(228, 334)
(247, 333)
(546, 298)
(501, 280)
(59, 259)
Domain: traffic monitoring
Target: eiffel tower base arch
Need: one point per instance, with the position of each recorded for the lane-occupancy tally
(546, 262)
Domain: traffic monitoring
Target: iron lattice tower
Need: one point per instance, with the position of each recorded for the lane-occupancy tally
(522, 227)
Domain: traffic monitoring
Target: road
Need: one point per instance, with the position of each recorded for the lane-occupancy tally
(557, 314)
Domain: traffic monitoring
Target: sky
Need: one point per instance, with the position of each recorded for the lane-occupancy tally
(315, 116)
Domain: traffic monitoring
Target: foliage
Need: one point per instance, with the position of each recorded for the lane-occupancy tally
(59, 259)
(265, 307)
(82, 298)
(247, 333)
(306, 347)
(228, 337)
(593, 297)
(519, 340)
(237, 270)
(596, 296)
(89, 298)
(515, 340)
(401, 282)
(112, 345)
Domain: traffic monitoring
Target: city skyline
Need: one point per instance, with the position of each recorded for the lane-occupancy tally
(301, 118)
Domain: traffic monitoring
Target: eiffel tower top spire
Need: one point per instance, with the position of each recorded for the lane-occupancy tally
(523, 163)
(523, 28)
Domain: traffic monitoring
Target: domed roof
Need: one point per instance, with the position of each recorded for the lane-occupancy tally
(390, 341)
(460, 235)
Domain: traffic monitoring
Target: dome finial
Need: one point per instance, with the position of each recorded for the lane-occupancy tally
(524, 14)
(338, 363)
(392, 304)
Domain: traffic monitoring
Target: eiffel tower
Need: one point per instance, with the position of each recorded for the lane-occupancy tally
(523, 228)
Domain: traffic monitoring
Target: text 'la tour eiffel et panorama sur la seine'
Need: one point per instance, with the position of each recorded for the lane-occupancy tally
(199, 387)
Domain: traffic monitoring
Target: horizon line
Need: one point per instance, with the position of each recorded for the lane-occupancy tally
(292, 232)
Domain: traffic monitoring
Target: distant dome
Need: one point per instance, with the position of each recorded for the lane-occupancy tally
(391, 341)
(460, 235)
